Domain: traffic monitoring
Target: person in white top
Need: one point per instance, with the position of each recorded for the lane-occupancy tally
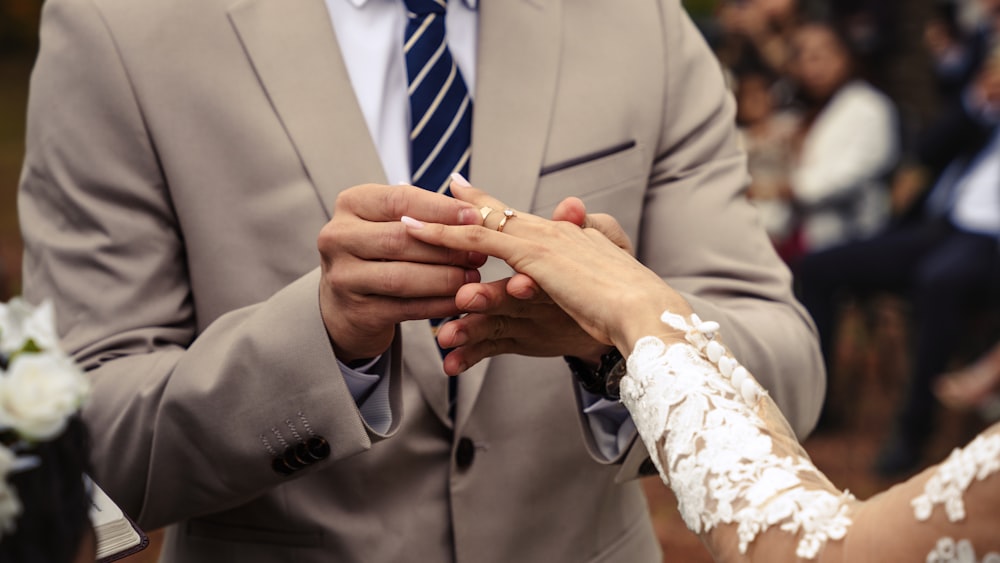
(850, 144)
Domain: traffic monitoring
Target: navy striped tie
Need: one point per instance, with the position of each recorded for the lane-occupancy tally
(440, 113)
(440, 106)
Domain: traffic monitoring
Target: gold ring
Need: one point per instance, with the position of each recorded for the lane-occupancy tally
(507, 214)
(485, 212)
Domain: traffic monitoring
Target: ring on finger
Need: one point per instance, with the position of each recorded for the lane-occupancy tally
(485, 212)
(507, 214)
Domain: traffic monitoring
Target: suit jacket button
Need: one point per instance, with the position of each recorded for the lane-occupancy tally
(302, 453)
(465, 452)
(318, 448)
(279, 466)
(291, 460)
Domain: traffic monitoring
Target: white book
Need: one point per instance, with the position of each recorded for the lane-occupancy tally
(117, 535)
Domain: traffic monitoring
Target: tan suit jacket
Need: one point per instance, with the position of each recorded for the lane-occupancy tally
(182, 158)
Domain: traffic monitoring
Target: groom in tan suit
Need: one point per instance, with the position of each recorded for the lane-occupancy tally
(269, 403)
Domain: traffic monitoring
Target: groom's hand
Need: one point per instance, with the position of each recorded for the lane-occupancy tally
(498, 323)
(375, 276)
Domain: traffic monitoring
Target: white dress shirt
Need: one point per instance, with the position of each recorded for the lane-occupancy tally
(370, 35)
(977, 197)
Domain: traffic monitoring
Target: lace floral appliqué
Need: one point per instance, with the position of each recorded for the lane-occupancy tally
(976, 461)
(700, 415)
(948, 550)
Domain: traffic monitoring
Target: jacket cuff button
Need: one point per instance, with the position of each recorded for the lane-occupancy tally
(318, 448)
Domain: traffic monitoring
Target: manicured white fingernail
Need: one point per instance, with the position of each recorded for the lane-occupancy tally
(460, 180)
(411, 222)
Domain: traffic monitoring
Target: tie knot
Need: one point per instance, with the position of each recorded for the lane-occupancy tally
(425, 7)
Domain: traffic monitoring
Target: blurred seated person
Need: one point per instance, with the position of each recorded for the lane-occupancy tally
(769, 137)
(850, 144)
(955, 54)
(756, 33)
(974, 386)
(942, 256)
(743, 482)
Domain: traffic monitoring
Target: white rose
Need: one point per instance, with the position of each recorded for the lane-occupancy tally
(39, 392)
(20, 321)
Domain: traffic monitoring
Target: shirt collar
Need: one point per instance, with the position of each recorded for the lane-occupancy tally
(470, 4)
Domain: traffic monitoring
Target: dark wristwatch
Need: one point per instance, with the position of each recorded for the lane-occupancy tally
(603, 380)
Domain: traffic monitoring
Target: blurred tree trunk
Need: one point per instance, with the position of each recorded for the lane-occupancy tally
(908, 74)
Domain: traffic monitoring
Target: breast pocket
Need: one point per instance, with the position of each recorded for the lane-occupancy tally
(611, 180)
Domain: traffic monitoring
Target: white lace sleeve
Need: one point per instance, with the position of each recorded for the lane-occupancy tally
(746, 486)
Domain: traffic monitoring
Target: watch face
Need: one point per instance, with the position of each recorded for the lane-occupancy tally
(587, 376)
(614, 378)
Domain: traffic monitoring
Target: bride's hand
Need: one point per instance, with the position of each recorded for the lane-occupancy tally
(602, 287)
(572, 210)
(514, 315)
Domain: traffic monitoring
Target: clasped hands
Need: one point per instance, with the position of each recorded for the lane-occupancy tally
(575, 285)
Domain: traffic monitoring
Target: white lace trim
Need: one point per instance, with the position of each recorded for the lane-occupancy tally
(697, 411)
(978, 460)
(948, 550)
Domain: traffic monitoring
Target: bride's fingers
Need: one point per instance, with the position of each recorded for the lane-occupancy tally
(572, 210)
(462, 190)
(609, 227)
(471, 238)
(496, 215)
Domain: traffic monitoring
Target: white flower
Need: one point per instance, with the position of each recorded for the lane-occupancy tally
(20, 322)
(39, 393)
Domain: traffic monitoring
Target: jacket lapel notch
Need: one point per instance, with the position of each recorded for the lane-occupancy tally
(295, 54)
(517, 71)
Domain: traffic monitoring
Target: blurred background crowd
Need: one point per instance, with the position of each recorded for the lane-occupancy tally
(871, 132)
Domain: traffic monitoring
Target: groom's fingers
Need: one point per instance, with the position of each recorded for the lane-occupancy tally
(492, 298)
(522, 286)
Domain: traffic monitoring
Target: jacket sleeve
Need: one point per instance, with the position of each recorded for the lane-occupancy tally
(703, 236)
(184, 420)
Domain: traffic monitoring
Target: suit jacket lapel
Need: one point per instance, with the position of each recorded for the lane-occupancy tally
(516, 73)
(295, 54)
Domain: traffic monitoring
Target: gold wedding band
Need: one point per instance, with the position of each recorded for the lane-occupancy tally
(485, 212)
(507, 214)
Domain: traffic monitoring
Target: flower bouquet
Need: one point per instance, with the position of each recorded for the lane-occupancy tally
(40, 389)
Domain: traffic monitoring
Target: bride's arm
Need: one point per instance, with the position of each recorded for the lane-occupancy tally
(748, 488)
(743, 482)
(741, 479)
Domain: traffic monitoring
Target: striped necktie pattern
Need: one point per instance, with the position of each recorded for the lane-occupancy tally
(440, 106)
(440, 114)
